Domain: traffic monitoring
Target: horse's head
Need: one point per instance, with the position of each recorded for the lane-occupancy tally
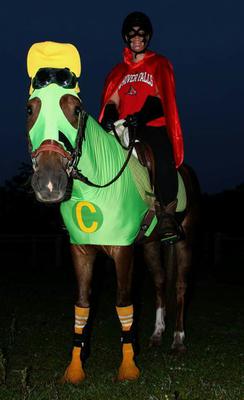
(53, 125)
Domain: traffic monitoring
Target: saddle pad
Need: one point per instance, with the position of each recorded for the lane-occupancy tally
(142, 182)
(181, 195)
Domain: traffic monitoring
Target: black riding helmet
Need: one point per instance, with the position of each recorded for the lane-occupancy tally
(139, 19)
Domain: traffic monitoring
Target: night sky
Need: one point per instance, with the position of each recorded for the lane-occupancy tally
(203, 40)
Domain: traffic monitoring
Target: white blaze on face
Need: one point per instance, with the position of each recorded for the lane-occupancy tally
(50, 186)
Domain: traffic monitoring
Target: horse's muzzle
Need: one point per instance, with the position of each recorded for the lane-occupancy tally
(50, 190)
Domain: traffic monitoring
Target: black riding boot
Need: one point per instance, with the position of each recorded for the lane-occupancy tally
(168, 228)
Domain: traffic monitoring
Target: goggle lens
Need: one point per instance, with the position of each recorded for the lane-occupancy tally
(61, 76)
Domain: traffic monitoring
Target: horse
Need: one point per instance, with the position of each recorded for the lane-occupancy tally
(104, 193)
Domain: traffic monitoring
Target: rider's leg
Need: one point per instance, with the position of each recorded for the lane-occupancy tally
(166, 180)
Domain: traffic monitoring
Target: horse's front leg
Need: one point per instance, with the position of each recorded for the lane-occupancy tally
(183, 256)
(152, 256)
(123, 258)
(83, 259)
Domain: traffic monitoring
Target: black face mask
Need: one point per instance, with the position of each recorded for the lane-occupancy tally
(137, 32)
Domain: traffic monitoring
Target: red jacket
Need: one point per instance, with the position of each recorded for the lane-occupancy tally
(166, 85)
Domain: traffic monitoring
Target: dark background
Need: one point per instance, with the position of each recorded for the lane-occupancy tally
(203, 40)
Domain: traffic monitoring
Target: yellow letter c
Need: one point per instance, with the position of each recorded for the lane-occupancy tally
(83, 227)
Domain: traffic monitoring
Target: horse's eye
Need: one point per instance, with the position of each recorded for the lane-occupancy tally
(77, 110)
(29, 110)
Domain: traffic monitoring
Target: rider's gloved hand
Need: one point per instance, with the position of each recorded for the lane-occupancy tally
(151, 109)
(133, 120)
(108, 125)
(110, 115)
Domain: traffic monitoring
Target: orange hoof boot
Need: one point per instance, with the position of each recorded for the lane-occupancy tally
(74, 373)
(128, 371)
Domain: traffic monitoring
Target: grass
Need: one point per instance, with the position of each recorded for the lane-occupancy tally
(36, 335)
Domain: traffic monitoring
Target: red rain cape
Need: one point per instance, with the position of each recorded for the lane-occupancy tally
(163, 70)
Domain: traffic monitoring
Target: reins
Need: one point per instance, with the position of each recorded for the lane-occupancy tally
(74, 156)
(78, 175)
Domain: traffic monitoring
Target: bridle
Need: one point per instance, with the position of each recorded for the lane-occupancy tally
(51, 145)
(73, 156)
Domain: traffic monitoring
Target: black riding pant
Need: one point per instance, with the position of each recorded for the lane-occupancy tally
(166, 180)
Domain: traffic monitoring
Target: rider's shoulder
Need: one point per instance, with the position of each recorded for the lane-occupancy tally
(162, 59)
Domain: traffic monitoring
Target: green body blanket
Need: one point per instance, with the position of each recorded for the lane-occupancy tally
(102, 216)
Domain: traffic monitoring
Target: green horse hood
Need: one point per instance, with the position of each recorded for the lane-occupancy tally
(51, 119)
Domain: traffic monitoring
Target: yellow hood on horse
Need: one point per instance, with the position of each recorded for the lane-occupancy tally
(53, 55)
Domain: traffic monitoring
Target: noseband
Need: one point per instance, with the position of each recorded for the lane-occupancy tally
(51, 145)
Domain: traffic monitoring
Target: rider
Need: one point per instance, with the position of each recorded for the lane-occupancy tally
(141, 90)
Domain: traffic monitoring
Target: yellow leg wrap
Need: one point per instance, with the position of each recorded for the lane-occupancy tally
(74, 372)
(128, 369)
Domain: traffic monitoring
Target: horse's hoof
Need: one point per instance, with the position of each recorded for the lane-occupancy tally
(155, 341)
(178, 349)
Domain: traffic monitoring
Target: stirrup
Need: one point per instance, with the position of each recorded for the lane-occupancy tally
(179, 235)
(170, 233)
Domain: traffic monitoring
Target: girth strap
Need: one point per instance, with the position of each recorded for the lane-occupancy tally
(148, 217)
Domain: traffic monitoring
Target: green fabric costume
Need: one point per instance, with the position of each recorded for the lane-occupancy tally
(103, 216)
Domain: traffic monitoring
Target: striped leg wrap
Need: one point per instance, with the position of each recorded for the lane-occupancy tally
(81, 317)
(128, 369)
(74, 373)
(125, 315)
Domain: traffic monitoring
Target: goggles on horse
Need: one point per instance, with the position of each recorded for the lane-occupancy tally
(61, 76)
